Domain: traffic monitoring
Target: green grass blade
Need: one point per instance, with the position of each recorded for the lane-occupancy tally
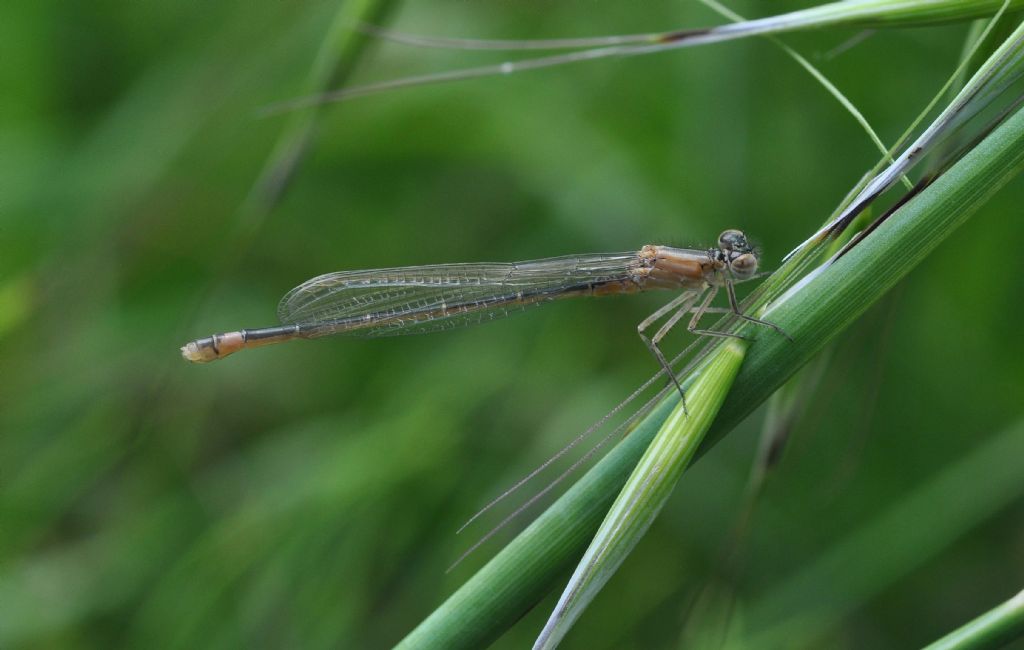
(889, 13)
(993, 629)
(501, 592)
(647, 489)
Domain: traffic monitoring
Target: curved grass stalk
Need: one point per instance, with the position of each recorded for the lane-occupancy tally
(866, 14)
(845, 13)
(514, 580)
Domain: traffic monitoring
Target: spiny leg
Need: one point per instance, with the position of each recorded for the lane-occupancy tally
(663, 331)
(734, 304)
(664, 309)
(656, 349)
(683, 304)
(703, 309)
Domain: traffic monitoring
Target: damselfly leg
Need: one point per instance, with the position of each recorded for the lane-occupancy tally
(734, 305)
(682, 304)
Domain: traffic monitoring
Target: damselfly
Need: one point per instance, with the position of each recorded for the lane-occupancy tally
(390, 302)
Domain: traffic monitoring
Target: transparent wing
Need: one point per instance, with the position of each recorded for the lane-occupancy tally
(387, 302)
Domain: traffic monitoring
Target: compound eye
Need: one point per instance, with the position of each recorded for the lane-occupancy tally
(744, 266)
(732, 240)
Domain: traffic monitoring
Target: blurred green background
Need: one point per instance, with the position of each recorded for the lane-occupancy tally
(307, 495)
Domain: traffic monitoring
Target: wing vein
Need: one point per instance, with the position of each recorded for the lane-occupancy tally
(407, 300)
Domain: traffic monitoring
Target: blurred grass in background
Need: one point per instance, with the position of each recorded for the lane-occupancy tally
(307, 495)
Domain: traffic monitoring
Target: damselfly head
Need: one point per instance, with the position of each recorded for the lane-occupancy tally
(739, 254)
